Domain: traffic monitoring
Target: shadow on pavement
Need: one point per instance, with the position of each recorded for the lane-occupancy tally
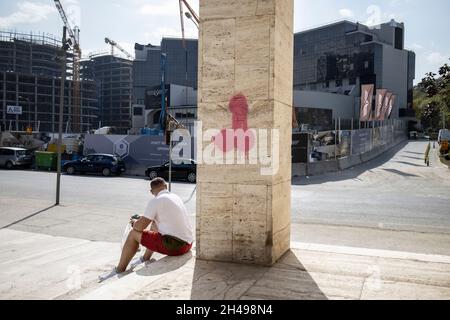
(28, 217)
(411, 164)
(165, 265)
(351, 173)
(400, 173)
(414, 158)
(287, 279)
(413, 152)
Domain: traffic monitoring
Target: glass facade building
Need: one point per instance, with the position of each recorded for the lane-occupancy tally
(181, 66)
(332, 59)
(340, 57)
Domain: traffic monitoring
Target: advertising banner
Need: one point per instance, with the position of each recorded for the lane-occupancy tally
(14, 110)
(384, 110)
(391, 106)
(366, 102)
(381, 93)
(138, 152)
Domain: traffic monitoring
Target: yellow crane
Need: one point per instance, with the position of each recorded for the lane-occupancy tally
(76, 96)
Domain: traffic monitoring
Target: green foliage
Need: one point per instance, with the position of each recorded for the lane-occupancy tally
(432, 97)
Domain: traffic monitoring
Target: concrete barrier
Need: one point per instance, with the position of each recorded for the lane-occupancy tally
(322, 167)
(372, 154)
(349, 162)
(317, 168)
(298, 169)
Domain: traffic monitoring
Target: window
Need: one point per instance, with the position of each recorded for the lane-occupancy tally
(398, 38)
(6, 152)
(366, 64)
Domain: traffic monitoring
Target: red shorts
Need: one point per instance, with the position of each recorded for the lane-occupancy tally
(153, 241)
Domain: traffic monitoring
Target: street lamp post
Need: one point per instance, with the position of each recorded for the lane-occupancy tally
(64, 49)
(190, 17)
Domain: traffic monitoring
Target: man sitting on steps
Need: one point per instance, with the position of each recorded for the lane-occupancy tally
(170, 234)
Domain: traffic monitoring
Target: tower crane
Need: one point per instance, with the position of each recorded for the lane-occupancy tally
(115, 44)
(75, 36)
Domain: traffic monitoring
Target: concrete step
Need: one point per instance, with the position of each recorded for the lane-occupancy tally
(37, 266)
(308, 271)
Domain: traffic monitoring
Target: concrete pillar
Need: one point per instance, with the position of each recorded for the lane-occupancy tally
(245, 81)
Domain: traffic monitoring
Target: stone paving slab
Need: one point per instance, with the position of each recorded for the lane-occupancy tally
(37, 266)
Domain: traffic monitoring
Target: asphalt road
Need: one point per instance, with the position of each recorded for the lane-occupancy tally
(394, 192)
(394, 203)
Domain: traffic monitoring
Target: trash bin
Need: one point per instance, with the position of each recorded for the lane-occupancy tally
(46, 160)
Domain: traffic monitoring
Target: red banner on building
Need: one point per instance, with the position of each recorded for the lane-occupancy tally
(384, 110)
(366, 102)
(381, 93)
(391, 106)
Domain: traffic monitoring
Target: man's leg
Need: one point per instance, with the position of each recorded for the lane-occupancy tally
(148, 253)
(129, 250)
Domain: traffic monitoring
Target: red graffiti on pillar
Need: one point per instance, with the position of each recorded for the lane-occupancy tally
(239, 108)
(229, 139)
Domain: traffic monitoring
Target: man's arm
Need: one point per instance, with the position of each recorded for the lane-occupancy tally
(141, 224)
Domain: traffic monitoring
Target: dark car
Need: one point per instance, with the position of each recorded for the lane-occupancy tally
(186, 170)
(106, 164)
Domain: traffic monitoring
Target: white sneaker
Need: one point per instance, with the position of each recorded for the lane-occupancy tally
(136, 262)
(108, 275)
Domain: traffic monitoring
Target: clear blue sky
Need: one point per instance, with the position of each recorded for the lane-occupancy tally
(146, 21)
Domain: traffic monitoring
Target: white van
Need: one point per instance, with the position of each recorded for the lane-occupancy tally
(14, 157)
(444, 134)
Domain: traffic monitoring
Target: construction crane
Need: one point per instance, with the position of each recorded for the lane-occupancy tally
(115, 44)
(76, 96)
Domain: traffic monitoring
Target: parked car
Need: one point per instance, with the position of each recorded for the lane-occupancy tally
(186, 170)
(106, 164)
(15, 157)
(413, 135)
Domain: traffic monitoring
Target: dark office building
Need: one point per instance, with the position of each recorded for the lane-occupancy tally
(114, 85)
(30, 78)
(146, 71)
(340, 57)
(181, 66)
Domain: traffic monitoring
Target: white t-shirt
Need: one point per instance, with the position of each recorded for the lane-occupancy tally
(169, 213)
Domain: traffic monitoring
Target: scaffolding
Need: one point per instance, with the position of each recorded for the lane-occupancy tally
(30, 76)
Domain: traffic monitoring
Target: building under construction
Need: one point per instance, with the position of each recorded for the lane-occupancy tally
(30, 73)
(113, 79)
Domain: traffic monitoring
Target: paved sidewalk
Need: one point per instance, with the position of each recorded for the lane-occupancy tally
(36, 266)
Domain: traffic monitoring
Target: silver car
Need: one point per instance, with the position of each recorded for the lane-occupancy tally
(14, 157)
